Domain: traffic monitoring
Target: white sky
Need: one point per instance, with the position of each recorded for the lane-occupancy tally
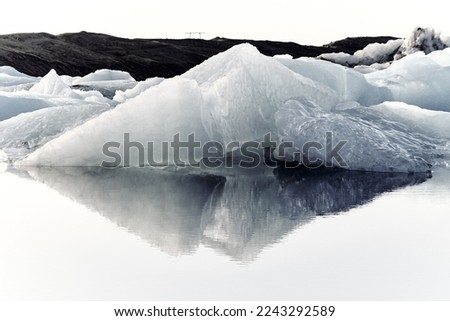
(307, 22)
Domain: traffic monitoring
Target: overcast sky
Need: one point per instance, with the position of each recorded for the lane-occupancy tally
(307, 22)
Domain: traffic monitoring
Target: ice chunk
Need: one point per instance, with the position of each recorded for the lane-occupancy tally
(421, 39)
(241, 95)
(428, 122)
(104, 75)
(425, 40)
(418, 80)
(53, 85)
(372, 53)
(154, 116)
(122, 96)
(68, 80)
(10, 78)
(373, 67)
(94, 96)
(367, 141)
(12, 72)
(232, 96)
(24, 133)
(346, 82)
(441, 57)
(12, 104)
(284, 56)
(243, 89)
(105, 81)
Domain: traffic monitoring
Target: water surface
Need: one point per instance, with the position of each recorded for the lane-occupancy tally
(143, 234)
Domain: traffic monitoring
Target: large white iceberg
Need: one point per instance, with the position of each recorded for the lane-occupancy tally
(231, 97)
(241, 95)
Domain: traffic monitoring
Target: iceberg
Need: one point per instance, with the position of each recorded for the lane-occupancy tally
(417, 79)
(52, 85)
(384, 120)
(122, 96)
(371, 54)
(370, 142)
(26, 132)
(230, 97)
(13, 80)
(105, 81)
(156, 115)
(49, 108)
(104, 75)
(425, 40)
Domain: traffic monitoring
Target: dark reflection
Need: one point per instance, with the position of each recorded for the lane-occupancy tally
(237, 213)
(329, 191)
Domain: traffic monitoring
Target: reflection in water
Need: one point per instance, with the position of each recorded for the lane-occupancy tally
(236, 213)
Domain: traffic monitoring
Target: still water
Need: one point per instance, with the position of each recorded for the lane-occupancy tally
(145, 234)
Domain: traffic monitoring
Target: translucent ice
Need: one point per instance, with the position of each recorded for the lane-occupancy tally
(242, 90)
(428, 122)
(122, 96)
(346, 82)
(369, 141)
(154, 116)
(24, 133)
(418, 79)
(53, 85)
(230, 97)
(240, 95)
(105, 81)
(12, 104)
(11, 79)
(105, 78)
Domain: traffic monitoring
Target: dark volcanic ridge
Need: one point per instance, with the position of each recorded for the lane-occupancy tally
(77, 54)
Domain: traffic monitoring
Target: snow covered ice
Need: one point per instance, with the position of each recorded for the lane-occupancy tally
(395, 119)
(50, 107)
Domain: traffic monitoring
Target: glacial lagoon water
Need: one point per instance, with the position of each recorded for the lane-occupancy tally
(146, 234)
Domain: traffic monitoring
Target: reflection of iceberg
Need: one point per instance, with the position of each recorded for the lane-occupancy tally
(161, 208)
(237, 214)
(330, 191)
